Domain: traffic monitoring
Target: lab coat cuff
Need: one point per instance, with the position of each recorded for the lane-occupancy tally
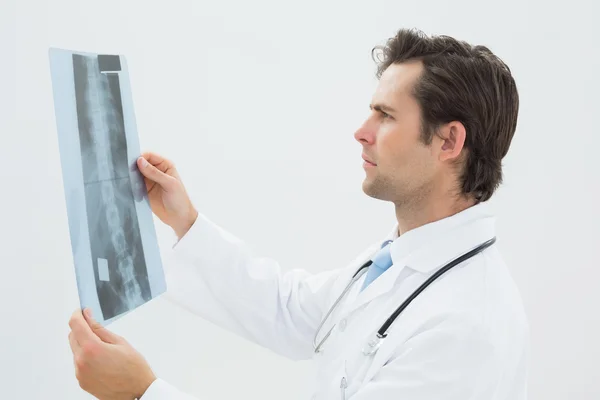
(161, 390)
(200, 220)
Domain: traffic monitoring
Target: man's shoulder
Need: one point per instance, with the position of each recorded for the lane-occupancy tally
(480, 295)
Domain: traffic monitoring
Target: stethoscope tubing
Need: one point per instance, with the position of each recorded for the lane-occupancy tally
(382, 331)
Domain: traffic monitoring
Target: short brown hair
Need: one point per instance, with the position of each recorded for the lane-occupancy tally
(466, 83)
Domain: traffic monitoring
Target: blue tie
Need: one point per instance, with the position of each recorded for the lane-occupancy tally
(381, 262)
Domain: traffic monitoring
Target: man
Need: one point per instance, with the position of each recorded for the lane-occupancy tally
(443, 117)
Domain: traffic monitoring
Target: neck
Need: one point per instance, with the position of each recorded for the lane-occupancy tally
(425, 211)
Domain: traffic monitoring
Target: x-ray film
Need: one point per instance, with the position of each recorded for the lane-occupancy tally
(113, 239)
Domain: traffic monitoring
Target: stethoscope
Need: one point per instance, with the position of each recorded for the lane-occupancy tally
(374, 344)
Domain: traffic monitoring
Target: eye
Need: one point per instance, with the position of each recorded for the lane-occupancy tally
(385, 115)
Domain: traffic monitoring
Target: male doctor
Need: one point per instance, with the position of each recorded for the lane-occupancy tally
(442, 119)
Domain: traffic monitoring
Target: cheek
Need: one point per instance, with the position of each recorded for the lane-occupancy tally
(425, 162)
(392, 149)
(404, 156)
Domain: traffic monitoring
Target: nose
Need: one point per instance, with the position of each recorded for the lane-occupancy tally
(366, 133)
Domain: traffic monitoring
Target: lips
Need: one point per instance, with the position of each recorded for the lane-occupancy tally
(367, 160)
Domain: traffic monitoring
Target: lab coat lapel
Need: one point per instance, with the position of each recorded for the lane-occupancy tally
(380, 286)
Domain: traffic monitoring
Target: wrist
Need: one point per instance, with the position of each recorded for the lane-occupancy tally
(144, 386)
(183, 228)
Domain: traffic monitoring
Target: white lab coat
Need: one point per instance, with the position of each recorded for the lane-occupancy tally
(464, 338)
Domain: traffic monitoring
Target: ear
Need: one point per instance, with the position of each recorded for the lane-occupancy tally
(452, 140)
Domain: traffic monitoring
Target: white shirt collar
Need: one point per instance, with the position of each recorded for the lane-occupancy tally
(432, 245)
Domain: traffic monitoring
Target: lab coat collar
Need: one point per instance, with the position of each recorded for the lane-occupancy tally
(429, 247)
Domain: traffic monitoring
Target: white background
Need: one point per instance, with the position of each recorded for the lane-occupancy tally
(257, 102)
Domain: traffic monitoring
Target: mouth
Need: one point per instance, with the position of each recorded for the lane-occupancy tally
(368, 162)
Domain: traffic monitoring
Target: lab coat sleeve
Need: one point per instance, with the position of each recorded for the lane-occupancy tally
(450, 361)
(215, 276)
(161, 390)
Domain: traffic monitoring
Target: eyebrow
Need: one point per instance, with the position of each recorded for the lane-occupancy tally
(382, 107)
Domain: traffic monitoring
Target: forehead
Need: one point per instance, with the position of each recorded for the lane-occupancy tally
(397, 82)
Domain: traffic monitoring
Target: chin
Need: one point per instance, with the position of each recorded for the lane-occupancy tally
(371, 189)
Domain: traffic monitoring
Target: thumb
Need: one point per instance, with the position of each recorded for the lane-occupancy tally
(154, 174)
(104, 334)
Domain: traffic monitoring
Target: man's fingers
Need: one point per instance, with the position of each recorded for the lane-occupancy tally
(160, 162)
(104, 334)
(154, 174)
(81, 330)
(75, 347)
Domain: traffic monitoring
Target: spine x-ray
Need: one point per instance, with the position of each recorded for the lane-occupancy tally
(115, 250)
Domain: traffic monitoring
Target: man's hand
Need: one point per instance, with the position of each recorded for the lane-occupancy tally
(106, 366)
(168, 198)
